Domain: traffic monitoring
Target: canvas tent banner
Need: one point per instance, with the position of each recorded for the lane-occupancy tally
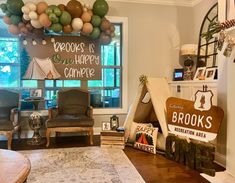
(197, 120)
(67, 58)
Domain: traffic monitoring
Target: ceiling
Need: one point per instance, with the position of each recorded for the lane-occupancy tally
(189, 3)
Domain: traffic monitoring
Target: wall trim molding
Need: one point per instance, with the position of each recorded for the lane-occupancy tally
(220, 159)
(187, 3)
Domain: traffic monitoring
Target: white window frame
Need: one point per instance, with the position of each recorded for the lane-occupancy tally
(124, 107)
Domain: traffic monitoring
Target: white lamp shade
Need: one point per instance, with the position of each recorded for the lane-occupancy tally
(189, 49)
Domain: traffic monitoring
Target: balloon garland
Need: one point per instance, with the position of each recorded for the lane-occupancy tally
(29, 18)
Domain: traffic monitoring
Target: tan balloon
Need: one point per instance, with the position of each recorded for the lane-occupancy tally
(86, 17)
(87, 28)
(67, 29)
(44, 20)
(41, 7)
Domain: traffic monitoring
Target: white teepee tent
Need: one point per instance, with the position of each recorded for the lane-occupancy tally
(149, 105)
(41, 69)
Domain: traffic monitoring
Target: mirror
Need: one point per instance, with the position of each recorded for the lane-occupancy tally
(207, 49)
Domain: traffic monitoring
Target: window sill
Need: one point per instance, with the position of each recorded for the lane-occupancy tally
(106, 111)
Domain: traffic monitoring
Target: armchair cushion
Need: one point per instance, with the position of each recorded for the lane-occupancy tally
(65, 120)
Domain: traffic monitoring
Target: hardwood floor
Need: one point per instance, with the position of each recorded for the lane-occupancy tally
(153, 168)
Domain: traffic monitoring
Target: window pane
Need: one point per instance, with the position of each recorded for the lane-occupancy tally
(110, 78)
(59, 83)
(9, 50)
(9, 76)
(105, 98)
(72, 83)
(49, 83)
(29, 83)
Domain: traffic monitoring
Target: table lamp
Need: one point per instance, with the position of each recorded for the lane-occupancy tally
(188, 50)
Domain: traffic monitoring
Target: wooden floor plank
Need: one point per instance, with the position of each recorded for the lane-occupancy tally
(153, 168)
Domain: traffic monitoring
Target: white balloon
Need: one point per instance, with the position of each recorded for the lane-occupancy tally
(77, 24)
(25, 9)
(36, 24)
(31, 6)
(26, 17)
(33, 15)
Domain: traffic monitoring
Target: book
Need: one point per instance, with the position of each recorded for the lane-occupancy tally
(112, 133)
(111, 138)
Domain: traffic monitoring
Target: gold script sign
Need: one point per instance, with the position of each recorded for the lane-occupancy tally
(184, 120)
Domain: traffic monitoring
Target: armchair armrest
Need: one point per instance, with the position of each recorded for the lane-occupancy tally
(90, 111)
(52, 113)
(15, 117)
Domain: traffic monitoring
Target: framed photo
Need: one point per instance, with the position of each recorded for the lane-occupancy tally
(114, 122)
(178, 75)
(106, 126)
(200, 73)
(210, 73)
(36, 93)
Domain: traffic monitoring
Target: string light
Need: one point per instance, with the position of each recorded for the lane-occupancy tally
(52, 39)
(44, 42)
(25, 42)
(34, 42)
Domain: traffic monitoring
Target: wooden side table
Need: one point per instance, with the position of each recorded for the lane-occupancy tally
(112, 139)
(14, 167)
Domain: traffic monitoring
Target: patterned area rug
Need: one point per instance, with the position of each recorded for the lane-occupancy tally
(82, 165)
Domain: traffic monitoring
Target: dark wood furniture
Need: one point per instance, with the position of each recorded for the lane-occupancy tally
(14, 167)
(9, 115)
(73, 114)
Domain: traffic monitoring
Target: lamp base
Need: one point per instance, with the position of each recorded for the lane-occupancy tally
(188, 73)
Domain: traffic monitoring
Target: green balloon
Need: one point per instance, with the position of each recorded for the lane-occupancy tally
(7, 13)
(56, 27)
(3, 7)
(95, 33)
(100, 7)
(14, 7)
(53, 18)
(65, 18)
(57, 11)
(52, 7)
(15, 19)
(49, 11)
(95, 20)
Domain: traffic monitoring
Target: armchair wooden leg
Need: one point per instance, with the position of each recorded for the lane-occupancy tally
(9, 139)
(91, 136)
(19, 133)
(48, 134)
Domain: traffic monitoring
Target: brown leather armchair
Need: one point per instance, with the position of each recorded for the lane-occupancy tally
(73, 114)
(9, 115)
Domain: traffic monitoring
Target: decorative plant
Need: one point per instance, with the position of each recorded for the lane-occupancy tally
(31, 18)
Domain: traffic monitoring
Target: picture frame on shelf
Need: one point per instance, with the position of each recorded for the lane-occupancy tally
(178, 75)
(210, 73)
(200, 73)
(106, 126)
(114, 122)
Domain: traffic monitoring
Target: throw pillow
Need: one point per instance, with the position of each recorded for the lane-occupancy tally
(132, 132)
(146, 139)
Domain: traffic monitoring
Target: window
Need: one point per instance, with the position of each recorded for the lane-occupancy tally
(108, 96)
(9, 62)
(106, 93)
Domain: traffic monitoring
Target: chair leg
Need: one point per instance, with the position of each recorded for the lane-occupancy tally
(9, 139)
(91, 136)
(48, 134)
(19, 133)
